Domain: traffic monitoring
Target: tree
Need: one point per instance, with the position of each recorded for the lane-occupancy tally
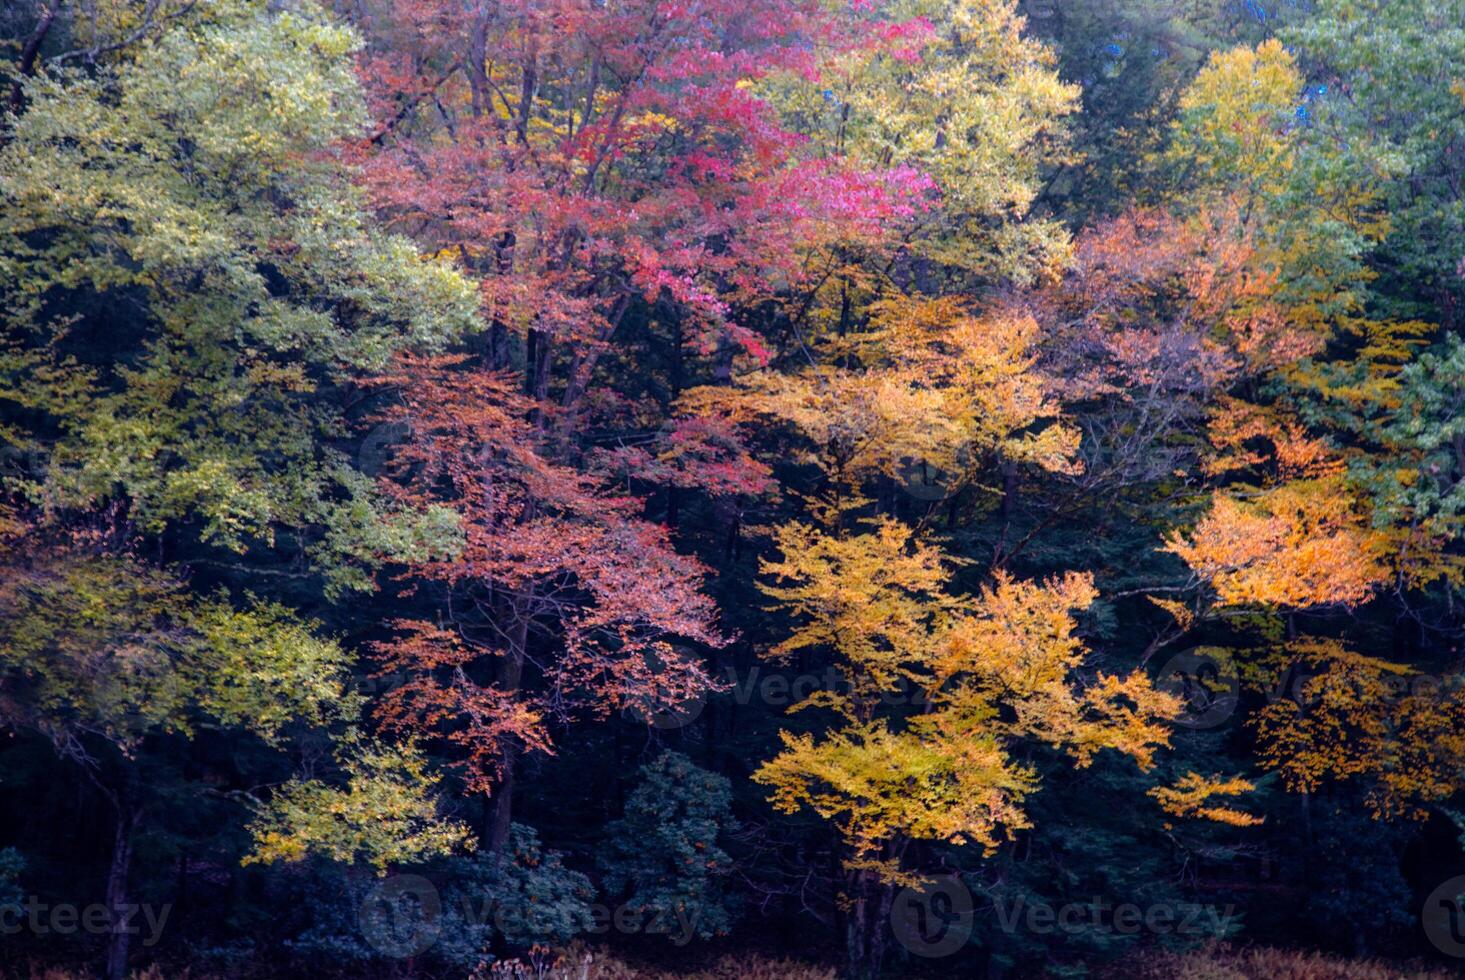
(633, 136)
(1132, 60)
(961, 95)
(546, 552)
(1250, 130)
(665, 855)
(1362, 718)
(1382, 71)
(1303, 543)
(927, 384)
(190, 178)
(381, 817)
(101, 654)
(992, 675)
(190, 282)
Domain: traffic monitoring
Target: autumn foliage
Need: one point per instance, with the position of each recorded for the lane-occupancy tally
(745, 460)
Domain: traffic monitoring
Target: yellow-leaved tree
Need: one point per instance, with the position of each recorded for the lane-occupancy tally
(925, 383)
(942, 699)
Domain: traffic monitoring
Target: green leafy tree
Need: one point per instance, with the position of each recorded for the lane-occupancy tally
(1387, 77)
(102, 655)
(192, 183)
(190, 283)
(525, 891)
(663, 856)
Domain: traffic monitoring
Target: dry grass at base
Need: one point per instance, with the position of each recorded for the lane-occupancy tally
(581, 964)
(1261, 963)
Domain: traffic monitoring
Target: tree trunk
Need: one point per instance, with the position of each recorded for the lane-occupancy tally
(123, 922)
(855, 940)
(884, 901)
(503, 809)
(1009, 490)
(30, 55)
(510, 676)
(863, 928)
(498, 332)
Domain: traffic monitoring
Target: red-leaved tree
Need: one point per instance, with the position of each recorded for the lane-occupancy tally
(595, 166)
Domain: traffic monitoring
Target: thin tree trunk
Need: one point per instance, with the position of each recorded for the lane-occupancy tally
(885, 896)
(120, 935)
(502, 819)
(511, 674)
(859, 939)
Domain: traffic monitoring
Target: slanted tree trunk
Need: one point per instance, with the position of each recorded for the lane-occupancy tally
(30, 55)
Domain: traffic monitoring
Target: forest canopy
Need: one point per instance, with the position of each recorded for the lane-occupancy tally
(791, 488)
